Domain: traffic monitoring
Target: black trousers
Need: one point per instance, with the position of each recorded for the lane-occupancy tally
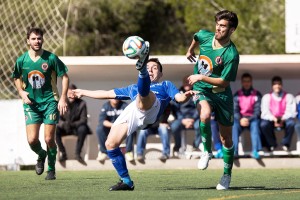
(81, 132)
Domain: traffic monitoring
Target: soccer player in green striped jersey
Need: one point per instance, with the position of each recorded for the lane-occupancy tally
(216, 66)
(35, 76)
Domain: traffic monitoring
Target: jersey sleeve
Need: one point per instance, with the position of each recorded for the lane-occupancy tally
(230, 69)
(171, 89)
(202, 36)
(59, 67)
(123, 93)
(17, 73)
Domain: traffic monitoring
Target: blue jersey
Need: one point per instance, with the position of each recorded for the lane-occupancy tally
(165, 91)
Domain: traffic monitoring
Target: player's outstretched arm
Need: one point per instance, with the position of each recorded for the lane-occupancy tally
(96, 94)
(190, 55)
(192, 79)
(183, 97)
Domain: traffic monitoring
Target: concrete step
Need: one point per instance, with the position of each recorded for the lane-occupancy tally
(242, 163)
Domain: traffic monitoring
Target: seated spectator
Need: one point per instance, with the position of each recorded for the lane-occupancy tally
(110, 111)
(73, 122)
(278, 111)
(297, 126)
(187, 117)
(162, 128)
(247, 102)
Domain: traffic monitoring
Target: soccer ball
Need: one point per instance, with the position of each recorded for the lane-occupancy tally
(133, 46)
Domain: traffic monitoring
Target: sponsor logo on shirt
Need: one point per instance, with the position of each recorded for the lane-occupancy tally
(219, 60)
(205, 66)
(36, 79)
(45, 66)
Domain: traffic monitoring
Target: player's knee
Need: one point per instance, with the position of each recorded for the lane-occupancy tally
(205, 117)
(110, 144)
(32, 141)
(49, 141)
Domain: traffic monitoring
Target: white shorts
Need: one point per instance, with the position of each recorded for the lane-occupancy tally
(137, 119)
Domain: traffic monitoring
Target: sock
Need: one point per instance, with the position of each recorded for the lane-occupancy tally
(118, 161)
(51, 158)
(37, 148)
(228, 159)
(206, 136)
(143, 72)
(143, 83)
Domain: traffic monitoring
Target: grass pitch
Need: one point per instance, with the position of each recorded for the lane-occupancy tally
(153, 185)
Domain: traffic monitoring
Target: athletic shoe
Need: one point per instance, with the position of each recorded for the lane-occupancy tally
(285, 148)
(63, 157)
(224, 182)
(175, 154)
(219, 154)
(163, 158)
(129, 156)
(121, 186)
(140, 158)
(101, 156)
(50, 175)
(203, 162)
(79, 158)
(255, 155)
(144, 57)
(39, 167)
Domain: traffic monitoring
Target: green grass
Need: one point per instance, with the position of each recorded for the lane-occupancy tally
(153, 184)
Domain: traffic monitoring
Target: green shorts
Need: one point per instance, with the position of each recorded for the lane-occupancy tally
(46, 113)
(221, 103)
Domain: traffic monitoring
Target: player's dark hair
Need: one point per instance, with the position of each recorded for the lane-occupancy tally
(157, 62)
(276, 79)
(246, 75)
(72, 86)
(230, 16)
(35, 30)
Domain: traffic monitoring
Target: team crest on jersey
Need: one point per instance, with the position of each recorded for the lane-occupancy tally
(205, 66)
(219, 60)
(45, 66)
(36, 79)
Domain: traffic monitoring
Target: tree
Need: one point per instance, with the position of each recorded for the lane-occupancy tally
(99, 27)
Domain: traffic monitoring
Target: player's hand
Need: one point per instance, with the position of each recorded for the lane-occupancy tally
(62, 105)
(244, 122)
(191, 93)
(24, 96)
(194, 78)
(78, 93)
(190, 55)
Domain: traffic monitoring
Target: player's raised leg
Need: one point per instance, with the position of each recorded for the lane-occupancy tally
(117, 134)
(144, 81)
(35, 145)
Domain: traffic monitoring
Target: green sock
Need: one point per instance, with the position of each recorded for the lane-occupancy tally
(37, 148)
(206, 136)
(51, 158)
(228, 159)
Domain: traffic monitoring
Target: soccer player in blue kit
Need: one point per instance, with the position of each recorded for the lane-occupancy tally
(149, 99)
